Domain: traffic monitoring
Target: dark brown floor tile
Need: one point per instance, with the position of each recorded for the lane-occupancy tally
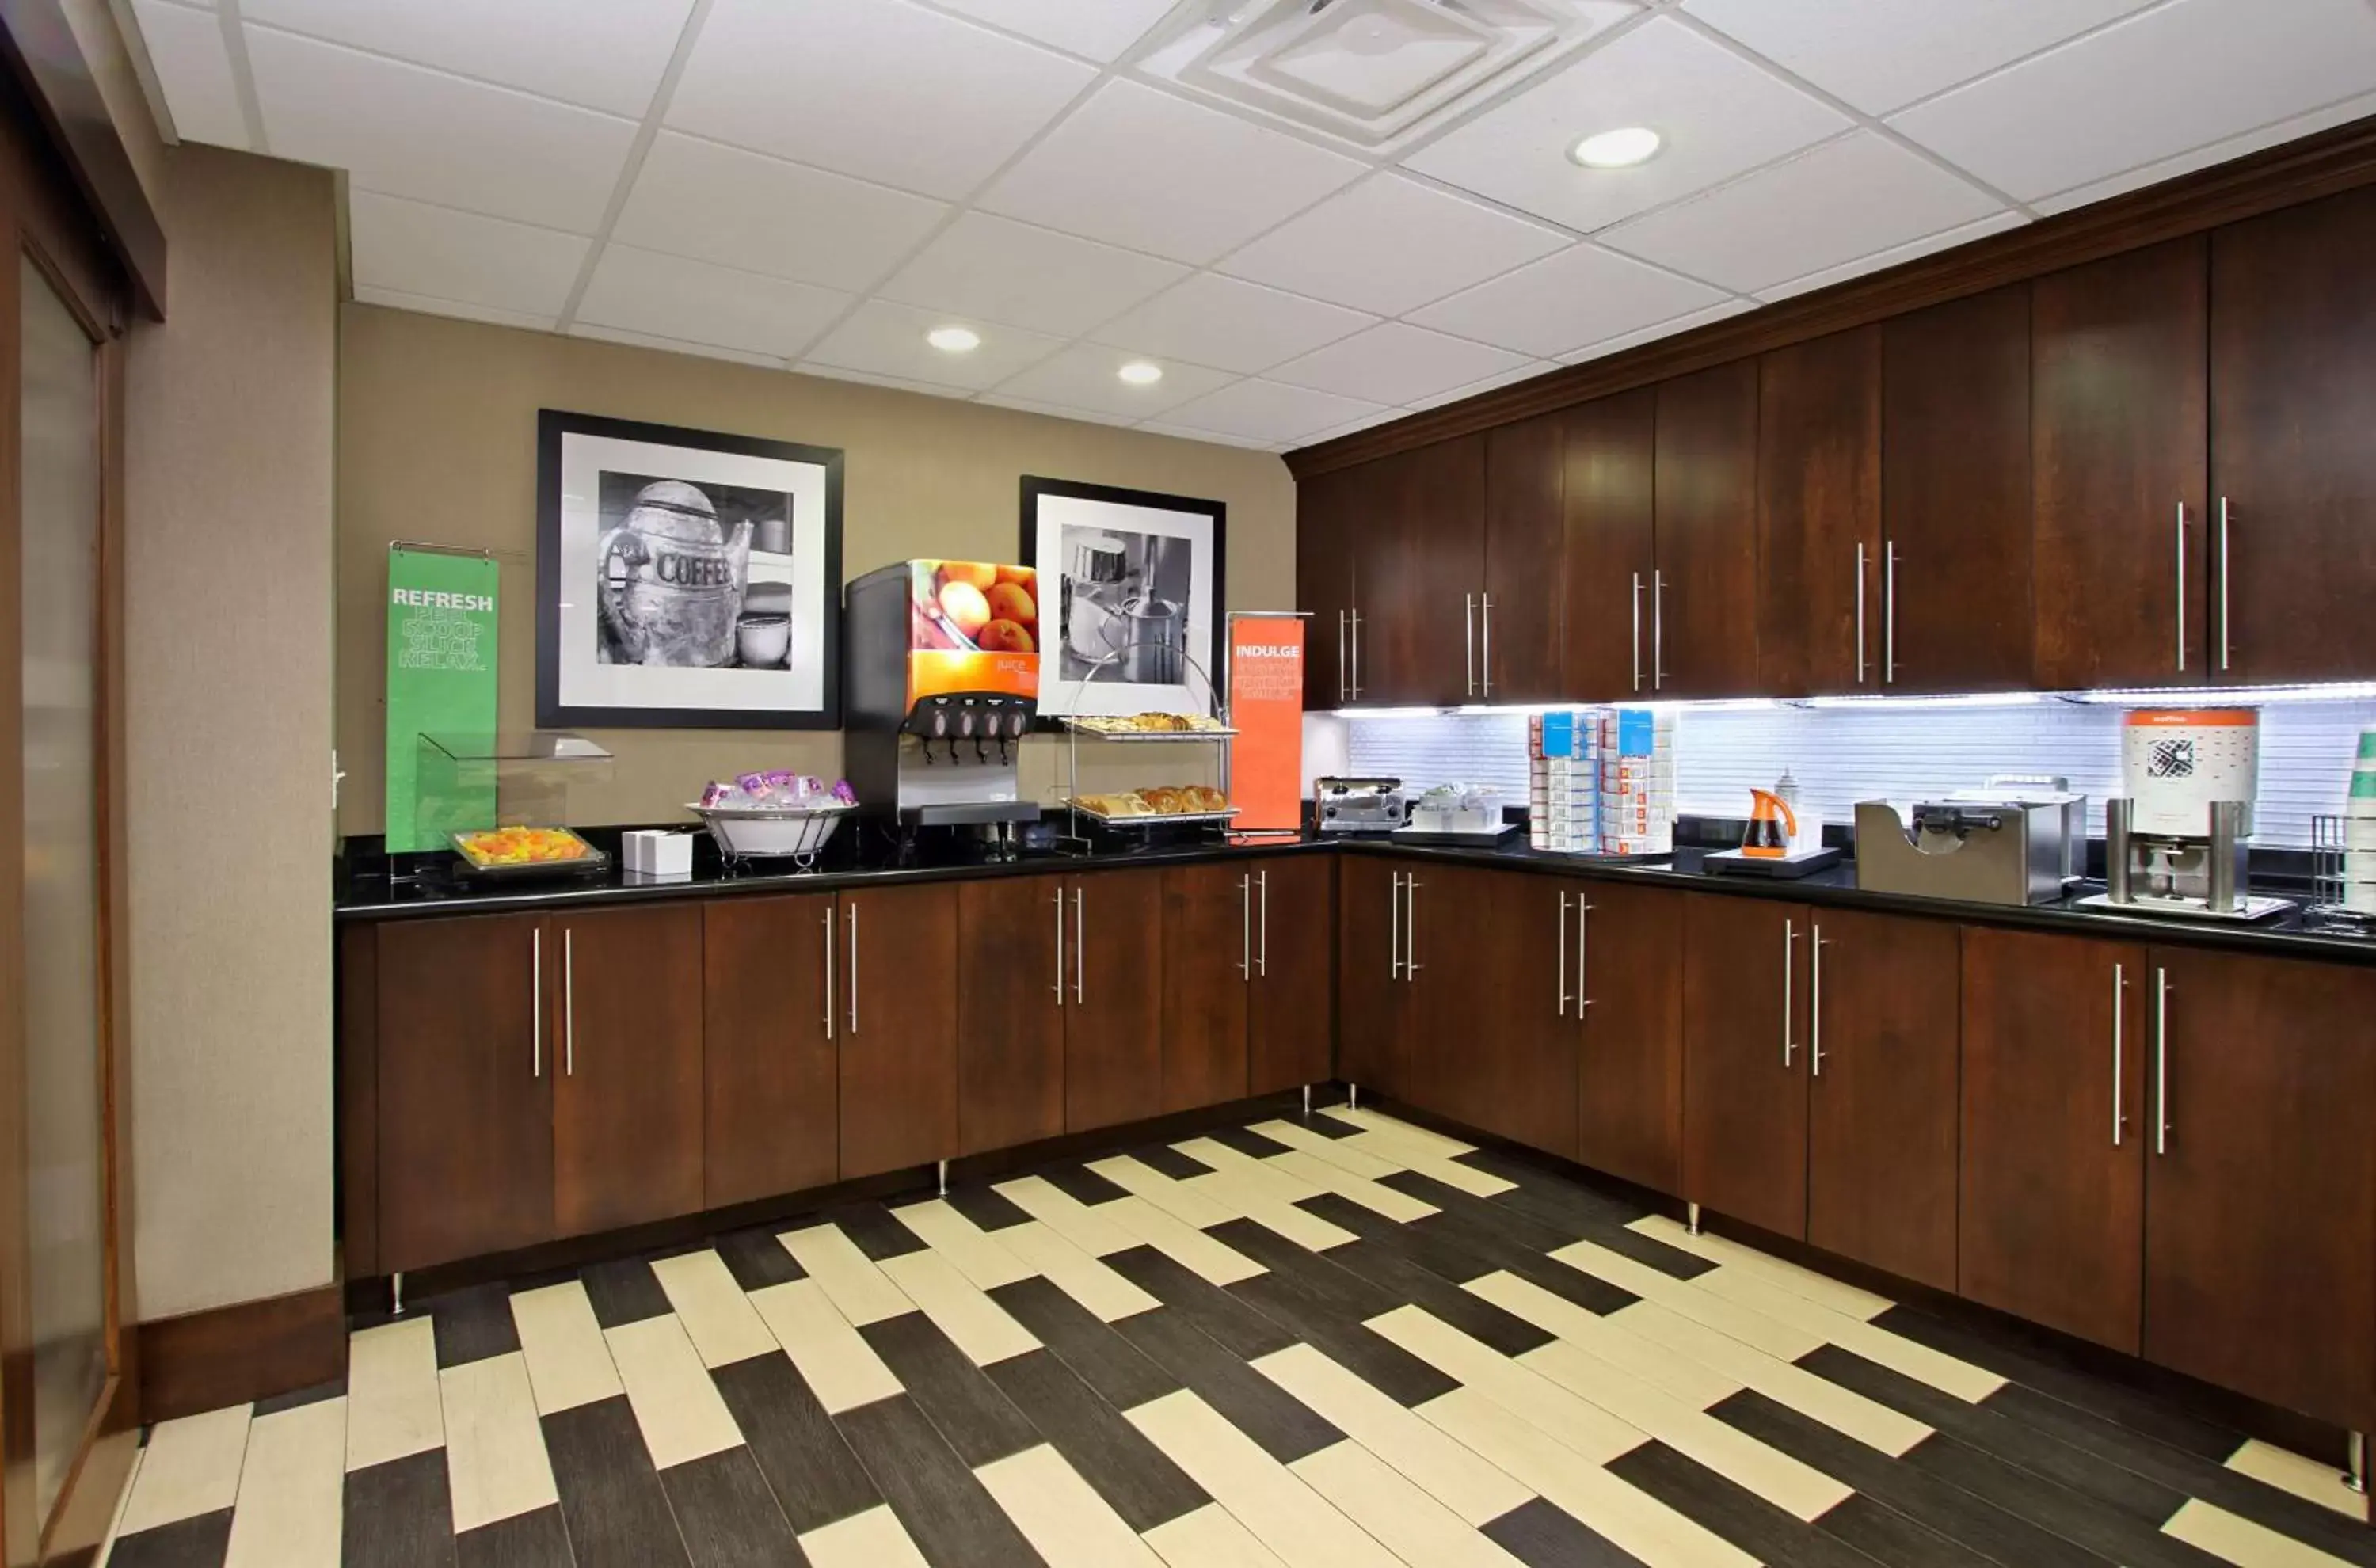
(524, 1540)
(728, 1515)
(970, 1412)
(618, 1516)
(953, 1522)
(807, 1463)
(399, 1514)
(1136, 1478)
(187, 1543)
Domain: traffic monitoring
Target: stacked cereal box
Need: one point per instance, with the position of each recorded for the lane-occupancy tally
(1564, 782)
(1637, 781)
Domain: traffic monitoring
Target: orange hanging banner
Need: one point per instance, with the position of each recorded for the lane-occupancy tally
(1267, 710)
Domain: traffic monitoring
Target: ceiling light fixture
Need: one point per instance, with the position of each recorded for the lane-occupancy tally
(954, 339)
(1620, 149)
(1141, 373)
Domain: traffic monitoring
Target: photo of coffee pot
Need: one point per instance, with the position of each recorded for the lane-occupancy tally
(672, 580)
(1114, 621)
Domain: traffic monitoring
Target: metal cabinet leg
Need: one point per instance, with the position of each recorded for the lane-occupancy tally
(396, 1294)
(940, 1169)
(1307, 1102)
(2356, 1477)
(1352, 1096)
(1692, 1219)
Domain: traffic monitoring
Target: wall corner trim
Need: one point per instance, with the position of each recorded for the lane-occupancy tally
(248, 1351)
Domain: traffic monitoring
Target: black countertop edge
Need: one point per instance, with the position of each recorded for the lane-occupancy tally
(370, 898)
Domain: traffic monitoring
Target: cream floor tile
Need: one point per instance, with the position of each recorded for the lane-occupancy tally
(568, 1360)
(840, 1368)
(1471, 1487)
(677, 1406)
(1630, 1518)
(1692, 1382)
(1177, 1199)
(1209, 1537)
(1086, 1227)
(115, 1522)
(1816, 1287)
(292, 1488)
(1074, 1272)
(1284, 1186)
(1283, 1513)
(1400, 1516)
(1694, 1300)
(393, 1405)
(974, 1323)
(1234, 1190)
(2322, 1483)
(190, 1466)
(1377, 1198)
(858, 1290)
(2240, 1541)
(1920, 1362)
(1188, 1247)
(1334, 1151)
(495, 1462)
(717, 1315)
(1843, 1410)
(1452, 1173)
(982, 1257)
(1061, 1514)
(1593, 1434)
(1420, 1140)
(871, 1539)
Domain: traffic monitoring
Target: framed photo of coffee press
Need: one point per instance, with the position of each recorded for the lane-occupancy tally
(1131, 616)
(685, 579)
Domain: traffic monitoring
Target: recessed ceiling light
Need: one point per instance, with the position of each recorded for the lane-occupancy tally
(954, 339)
(1620, 149)
(1140, 373)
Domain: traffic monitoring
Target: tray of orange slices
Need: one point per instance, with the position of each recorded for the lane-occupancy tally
(526, 852)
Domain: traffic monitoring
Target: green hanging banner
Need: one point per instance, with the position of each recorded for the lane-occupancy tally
(441, 682)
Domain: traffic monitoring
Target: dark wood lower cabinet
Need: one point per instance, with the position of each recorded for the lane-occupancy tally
(631, 1038)
(1113, 1022)
(769, 1048)
(898, 1000)
(1496, 1048)
(1628, 1074)
(1207, 962)
(1291, 1006)
(1011, 993)
(1374, 999)
(1745, 1059)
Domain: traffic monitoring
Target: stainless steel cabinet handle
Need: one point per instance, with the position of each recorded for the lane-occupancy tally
(1637, 631)
(1583, 914)
(1080, 947)
(536, 1003)
(1394, 929)
(1815, 1001)
(1468, 622)
(1262, 949)
(568, 1003)
(2224, 573)
(2182, 586)
(1562, 957)
(1060, 945)
(2161, 1061)
(853, 969)
(828, 968)
(1410, 930)
(1340, 657)
(2120, 1119)
(1889, 613)
(1860, 616)
(1246, 926)
(1356, 656)
(1789, 964)
(1657, 631)
(1488, 603)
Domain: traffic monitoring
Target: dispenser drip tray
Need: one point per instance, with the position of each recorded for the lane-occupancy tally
(2247, 909)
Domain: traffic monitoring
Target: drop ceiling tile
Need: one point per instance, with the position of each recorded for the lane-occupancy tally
(1396, 364)
(1083, 377)
(1526, 372)
(668, 296)
(438, 251)
(1947, 238)
(739, 209)
(1002, 271)
(1101, 29)
(884, 90)
(2271, 134)
(1232, 326)
(1882, 54)
(603, 53)
(1579, 296)
(1052, 410)
(397, 299)
(1720, 116)
(673, 345)
(889, 383)
(1140, 168)
(1681, 324)
(1847, 198)
(193, 68)
(1376, 417)
(1269, 411)
(883, 338)
(2188, 74)
(412, 132)
(1390, 245)
(1209, 437)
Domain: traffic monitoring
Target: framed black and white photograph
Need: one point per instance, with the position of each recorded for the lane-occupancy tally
(685, 579)
(1135, 622)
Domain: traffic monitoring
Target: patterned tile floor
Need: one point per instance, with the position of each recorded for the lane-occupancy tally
(1324, 1344)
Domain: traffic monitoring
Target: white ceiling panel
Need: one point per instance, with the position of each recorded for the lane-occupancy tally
(1231, 325)
(1720, 116)
(1002, 271)
(1390, 244)
(868, 378)
(1210, 437)
(1397, 364)
(668, 296)
(738, 208)
(1083, 377)
(193, 67)
(2203, 157)
(2190, 73)
(887, 339)
(602, 53)
(1944, 240)
(424, 304)
(674, 345)
(1882, 54)
(1624, 340)
(1269, 412)
(1139, 168)
(884, 90)
(1526, 372)
(1853, 197)
(1051, 410)
(1579, 296)
(419, 249)
(413, 132)
(1099, 30)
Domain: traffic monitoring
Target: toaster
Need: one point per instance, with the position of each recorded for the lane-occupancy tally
(1358, 805)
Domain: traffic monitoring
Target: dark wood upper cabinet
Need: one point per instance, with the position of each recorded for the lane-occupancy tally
(1291, 1008)
(2260, 1185)
(1327, 511)
(1418, 569)
(466, 1009)
(1700, 627)
(1610, 548)
(1208, 956)
(1519, 621)
(631, 1048)
(1955, 496)
(1745, 1059)
(1113, 1017)
(2119, 446)
(2054, 1135)
(1818, 515)
(1881, 1098)
(1010, 1016)
(898, 993)
(769, 1045)
(2292, 527)
(1629, 976)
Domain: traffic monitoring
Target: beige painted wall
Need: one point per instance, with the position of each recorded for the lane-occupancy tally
(438, 442)
(228, 600)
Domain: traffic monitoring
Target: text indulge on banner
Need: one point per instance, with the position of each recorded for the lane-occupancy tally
(441, 681)
(1266, 709)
